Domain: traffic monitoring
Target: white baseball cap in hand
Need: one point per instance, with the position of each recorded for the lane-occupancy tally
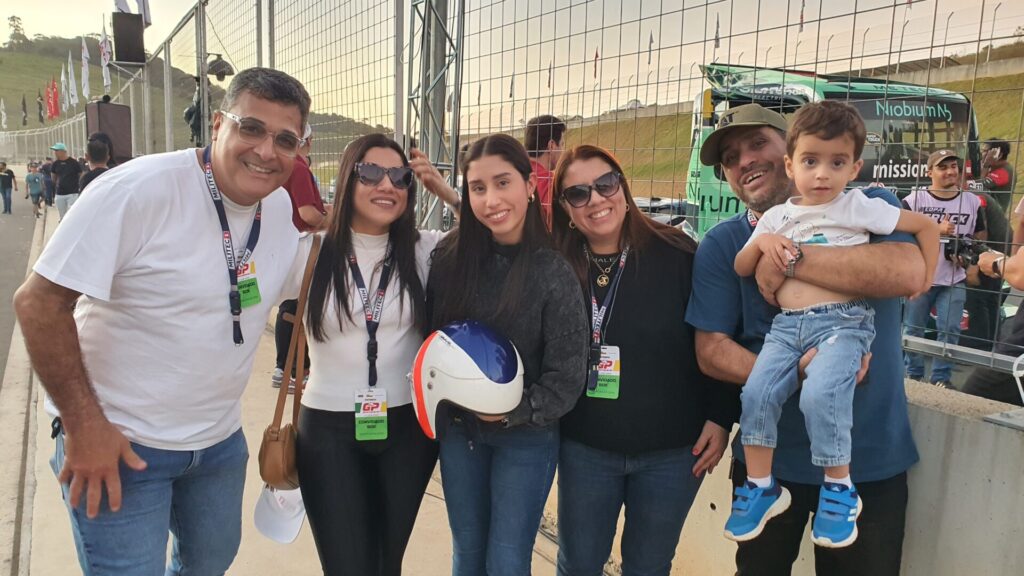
(279, 514)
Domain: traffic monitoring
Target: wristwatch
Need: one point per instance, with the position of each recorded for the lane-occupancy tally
(798, 255)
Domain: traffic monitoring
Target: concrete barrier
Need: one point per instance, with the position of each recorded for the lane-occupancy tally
(966, 509)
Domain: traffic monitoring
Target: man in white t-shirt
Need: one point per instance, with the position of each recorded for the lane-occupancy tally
(142, 318)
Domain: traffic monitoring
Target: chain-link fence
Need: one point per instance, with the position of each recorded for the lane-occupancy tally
(645, 78)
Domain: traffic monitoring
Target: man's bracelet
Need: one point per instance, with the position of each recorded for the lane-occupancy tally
(997, 266)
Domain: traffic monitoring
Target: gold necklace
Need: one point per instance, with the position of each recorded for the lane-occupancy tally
(602, 278)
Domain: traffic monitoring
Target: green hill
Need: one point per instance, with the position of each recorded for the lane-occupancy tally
(27, 70)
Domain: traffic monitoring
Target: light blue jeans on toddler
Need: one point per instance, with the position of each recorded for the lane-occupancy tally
(842, 333)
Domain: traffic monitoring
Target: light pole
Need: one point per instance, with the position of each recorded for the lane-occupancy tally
(863, 45)
(828, 45)
(899, 56)
(739, 59)
(796, 51)
(647, 89)
(945, 38)
(992, 32)
(766, 53)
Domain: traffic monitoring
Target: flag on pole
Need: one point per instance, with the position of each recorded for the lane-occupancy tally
(85, 71)
(803, 4)
(72, 86)
(718, 27)
(512, 85)
(105, 53)
(39, 105)
(147, 17)
(3, 115)
(551, 69)
(479, 92)
(122, 6)
(24, 110)
(597, 55)
(63, 89)
(650, 46)
(54, 110)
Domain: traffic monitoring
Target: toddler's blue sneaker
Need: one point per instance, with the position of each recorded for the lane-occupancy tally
(752, 508)
(835, 522)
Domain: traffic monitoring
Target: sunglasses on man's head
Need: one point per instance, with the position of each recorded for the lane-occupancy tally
(607, 185)
(371, 175)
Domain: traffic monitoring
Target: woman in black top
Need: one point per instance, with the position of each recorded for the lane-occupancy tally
(499, 268)
(649, 423)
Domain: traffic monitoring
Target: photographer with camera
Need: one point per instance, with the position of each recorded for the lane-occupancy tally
(962, 223)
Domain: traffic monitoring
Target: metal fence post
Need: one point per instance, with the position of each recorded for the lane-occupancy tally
(204, 83)
(399, 76)
(259, 34)
(147, 112)
(168, 97)
(270, 33)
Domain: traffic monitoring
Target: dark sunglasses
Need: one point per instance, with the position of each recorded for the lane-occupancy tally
(371, 175)
(607, 186)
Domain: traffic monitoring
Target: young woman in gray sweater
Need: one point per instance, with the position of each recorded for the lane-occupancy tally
(499, 268)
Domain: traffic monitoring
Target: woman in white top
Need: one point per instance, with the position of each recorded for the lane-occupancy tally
(363, 462)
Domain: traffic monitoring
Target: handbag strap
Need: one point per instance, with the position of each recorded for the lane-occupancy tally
(297, 346)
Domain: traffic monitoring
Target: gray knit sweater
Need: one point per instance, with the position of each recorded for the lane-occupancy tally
(549, 329)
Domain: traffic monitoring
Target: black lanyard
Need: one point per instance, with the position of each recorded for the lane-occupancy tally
(372, 310)
(234, 265)
(598, 315)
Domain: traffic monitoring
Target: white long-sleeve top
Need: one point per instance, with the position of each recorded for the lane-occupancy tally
(338, 366)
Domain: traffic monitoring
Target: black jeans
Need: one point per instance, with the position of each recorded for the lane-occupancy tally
(994, 385)
(878, 550)
(362, 497)
(283, 333)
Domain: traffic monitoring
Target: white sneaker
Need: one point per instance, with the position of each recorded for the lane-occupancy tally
(277, 378)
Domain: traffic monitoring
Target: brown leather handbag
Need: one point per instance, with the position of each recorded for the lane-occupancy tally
(277, 451)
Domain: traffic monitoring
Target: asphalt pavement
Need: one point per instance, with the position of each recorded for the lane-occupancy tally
(15, 241)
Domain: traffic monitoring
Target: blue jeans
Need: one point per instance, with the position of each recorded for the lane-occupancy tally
(842, 333)
(657, 489)
(496, 481)
(64, 203)
(6, 193)
(196, 495)
(949, 309)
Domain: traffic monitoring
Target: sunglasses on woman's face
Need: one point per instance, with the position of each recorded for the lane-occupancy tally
(579, 196)
(371, 175)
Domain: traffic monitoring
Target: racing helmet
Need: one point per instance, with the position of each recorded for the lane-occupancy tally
(468, 365)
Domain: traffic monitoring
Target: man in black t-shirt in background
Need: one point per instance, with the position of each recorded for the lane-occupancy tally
(98, 155)
(7, 182)
(66, 172)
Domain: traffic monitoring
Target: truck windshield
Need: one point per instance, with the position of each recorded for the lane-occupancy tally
(902, 132)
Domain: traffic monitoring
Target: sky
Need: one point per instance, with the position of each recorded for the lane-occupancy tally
(77, 17)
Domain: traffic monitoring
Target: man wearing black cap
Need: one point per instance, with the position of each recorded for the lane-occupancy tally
(732, 316)
(959, 213)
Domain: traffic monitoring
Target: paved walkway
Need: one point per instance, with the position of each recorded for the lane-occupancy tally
(46, 533)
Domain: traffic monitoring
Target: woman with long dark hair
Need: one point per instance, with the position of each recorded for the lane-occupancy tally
(498, 268)
(362, 484)
(649, 424)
